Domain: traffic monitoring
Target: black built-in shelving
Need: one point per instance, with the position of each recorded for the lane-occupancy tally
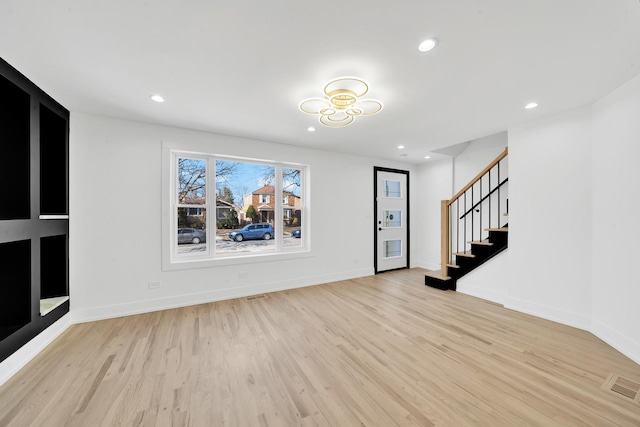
(34, 209)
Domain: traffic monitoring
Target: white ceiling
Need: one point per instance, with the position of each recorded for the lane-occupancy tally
(242, 67)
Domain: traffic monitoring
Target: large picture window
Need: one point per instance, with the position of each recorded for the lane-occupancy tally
(224, 207)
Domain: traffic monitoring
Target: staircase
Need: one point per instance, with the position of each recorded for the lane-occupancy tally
(464, 262)
(472, 229)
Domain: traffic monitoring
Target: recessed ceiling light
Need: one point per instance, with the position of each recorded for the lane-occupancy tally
(427, 45)
(157, 98)
(400, 147)
(531, 105)
(427, 157)
(311, 129)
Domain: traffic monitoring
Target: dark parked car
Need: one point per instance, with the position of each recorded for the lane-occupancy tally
(253, 231)
(295, 233)
(191, 235)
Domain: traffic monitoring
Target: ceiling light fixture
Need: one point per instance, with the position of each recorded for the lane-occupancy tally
(427, 45)
(342, 102)
(531, 105)
(157, 98)
(311, 129)
(427, 157)
(400, 147)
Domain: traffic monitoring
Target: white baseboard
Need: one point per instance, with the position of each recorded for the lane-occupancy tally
(426, 266)
(12, 364)
(480, 292)
(146, 306)
(568, 318)
(622, 343)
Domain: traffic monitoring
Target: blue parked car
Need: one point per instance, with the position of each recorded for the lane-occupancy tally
(295, 233)
(253, 231)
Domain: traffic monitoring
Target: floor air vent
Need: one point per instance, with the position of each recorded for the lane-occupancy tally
(623, 387)
(255, 297)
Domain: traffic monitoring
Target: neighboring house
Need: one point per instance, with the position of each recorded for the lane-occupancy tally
(199, 212)
(291, 208)
(194, 212)
(197, 216)
(263, 201)
(223, 208)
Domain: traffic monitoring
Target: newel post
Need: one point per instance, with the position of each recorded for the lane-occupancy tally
(444, 237)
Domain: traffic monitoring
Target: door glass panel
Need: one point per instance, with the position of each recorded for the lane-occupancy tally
(391, 188)
(392, 248)
(392, 219)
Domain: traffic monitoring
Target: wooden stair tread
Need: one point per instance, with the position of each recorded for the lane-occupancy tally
(464, 254)
(453, 266)
(503, 229)
(482, 243)
(436, 274)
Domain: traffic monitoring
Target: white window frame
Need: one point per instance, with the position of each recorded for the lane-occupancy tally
(172, 261)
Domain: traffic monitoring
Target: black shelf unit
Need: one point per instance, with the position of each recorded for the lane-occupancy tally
(34, 210)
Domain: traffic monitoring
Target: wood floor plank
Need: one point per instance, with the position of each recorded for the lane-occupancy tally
(376, 351)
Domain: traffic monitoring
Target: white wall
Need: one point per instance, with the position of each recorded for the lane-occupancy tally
(115, 221)
(434, 183)
(543, 271)
(550, 217)
(478, 154)
(616, 236)
(573, 240)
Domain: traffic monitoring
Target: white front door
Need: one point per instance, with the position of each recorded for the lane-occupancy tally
(392, 219)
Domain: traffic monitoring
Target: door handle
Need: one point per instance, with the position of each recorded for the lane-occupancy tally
(379, 228)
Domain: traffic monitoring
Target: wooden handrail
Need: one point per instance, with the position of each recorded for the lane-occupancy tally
(480, 175)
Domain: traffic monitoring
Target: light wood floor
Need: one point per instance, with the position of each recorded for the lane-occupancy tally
(377, 351)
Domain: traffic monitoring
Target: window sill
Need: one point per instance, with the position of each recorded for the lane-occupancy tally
(190, 263)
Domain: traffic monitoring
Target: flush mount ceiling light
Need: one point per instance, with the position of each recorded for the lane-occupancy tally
(157, 98)
(342, 102)
(531, 105)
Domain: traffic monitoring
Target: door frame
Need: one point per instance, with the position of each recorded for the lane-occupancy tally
(377, 169)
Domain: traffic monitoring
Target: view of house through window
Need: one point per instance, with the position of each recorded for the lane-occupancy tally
(291, 207)
(258, 207)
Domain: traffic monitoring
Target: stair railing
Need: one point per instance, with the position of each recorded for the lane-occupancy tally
(476, 207)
